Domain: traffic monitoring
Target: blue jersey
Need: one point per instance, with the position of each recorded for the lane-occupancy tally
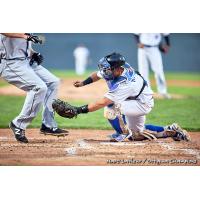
(127, 76)
(128, 84)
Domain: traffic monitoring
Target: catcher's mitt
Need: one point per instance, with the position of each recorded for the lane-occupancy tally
(36, 57)
(64, 109)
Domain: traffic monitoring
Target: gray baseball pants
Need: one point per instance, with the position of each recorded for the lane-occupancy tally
(41, 87)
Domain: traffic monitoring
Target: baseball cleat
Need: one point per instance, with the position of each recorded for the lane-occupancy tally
(120, 137)
(19, 133)
(114, 135)
(52, 131)
(131, 138)
(181, 134)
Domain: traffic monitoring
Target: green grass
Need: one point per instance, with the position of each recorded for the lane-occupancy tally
(11, 105)
(180, 76)
(3, 83)
(183, 111)
(183, 76)
(186, 111)
(189, 92)
(69, 73)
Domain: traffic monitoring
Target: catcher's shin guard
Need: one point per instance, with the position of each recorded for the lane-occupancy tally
(117, 122)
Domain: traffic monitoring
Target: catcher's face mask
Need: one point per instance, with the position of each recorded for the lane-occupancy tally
(105, 69)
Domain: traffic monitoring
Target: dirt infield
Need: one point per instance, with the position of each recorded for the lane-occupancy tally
(69, 92)
(92, 147)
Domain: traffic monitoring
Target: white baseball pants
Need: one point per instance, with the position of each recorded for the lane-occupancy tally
(152, 56)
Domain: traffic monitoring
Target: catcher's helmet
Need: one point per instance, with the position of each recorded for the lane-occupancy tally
(110, 62)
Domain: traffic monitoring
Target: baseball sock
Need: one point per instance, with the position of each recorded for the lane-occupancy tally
(154, 128)
(161, 131)
(115, 124)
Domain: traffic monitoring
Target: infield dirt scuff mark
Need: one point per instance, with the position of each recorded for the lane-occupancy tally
(70, 151)
(172, 147)
(79, 144)
(121, 144)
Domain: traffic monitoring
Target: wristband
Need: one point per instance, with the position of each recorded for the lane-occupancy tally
(83, 109)
(87, 81)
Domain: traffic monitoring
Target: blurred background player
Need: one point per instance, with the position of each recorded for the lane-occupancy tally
(149, 54)
(21, 66)
(81, 55)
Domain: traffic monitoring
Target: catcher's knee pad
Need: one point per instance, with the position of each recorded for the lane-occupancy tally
(110, 114)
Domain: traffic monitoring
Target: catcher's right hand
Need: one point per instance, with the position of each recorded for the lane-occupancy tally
(78, 84)
(34, 38)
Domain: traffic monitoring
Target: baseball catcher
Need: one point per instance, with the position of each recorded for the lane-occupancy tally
(126, 104)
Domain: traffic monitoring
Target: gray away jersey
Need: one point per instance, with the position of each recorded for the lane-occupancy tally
(14, 48)
(2, 50)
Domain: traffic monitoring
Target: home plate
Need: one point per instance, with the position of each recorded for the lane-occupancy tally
(83, 144)
(122, 144)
